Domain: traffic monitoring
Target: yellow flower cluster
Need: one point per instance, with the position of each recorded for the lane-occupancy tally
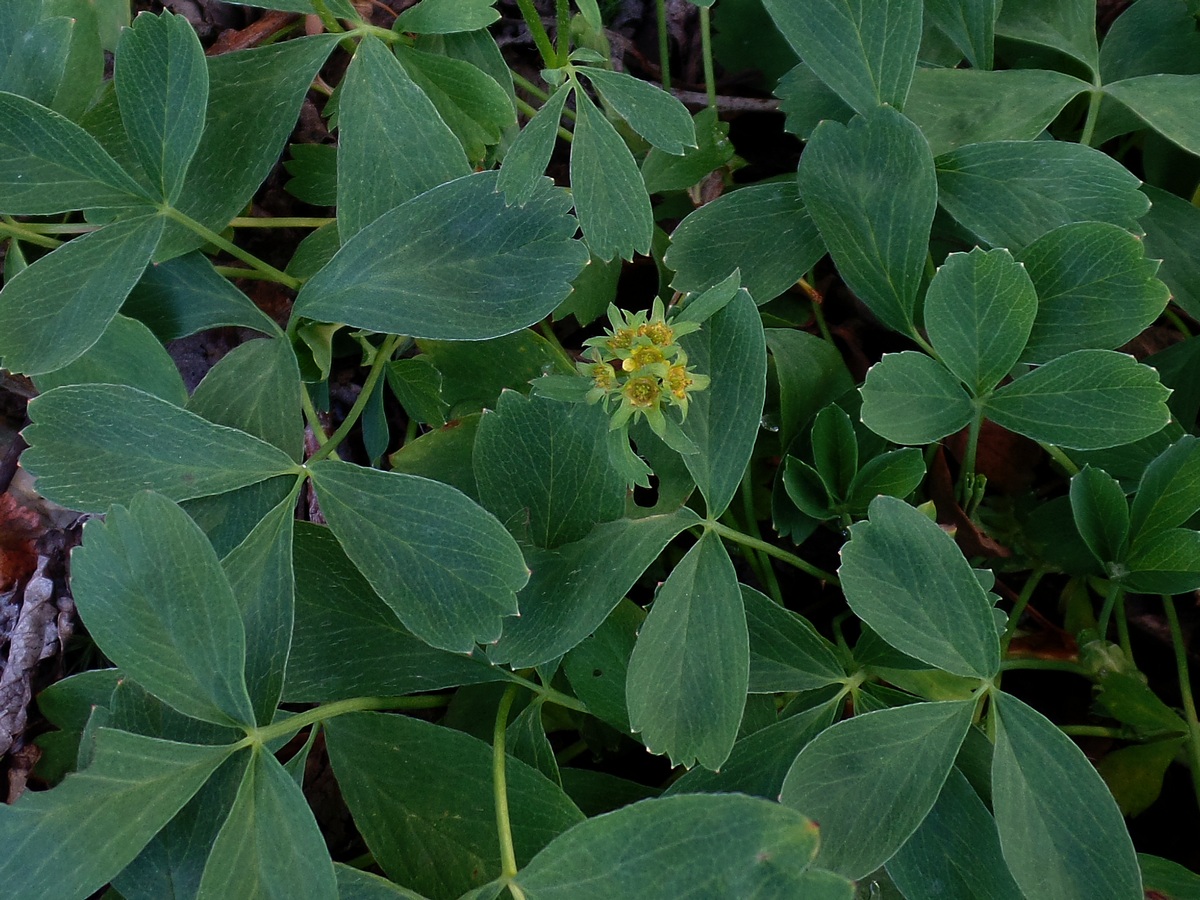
(638, 365)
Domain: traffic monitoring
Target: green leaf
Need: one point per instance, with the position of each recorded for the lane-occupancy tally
(871, 189)
(472, 102)
(1168, 878)
(1134, 773)
(260, 574)
(955, 852)
(760, 761)
(34, 64)
(971, 24)
(908, 580)
(763, 230)
(610, 198)
(313, 168)
(254, 98)
(1060, 829)
(786, 652)
(835, 449)
(91, 445)
(597, 667)
(688, 674)
(446, 16)
(664, 172)
(979, 310)
(392, 144)
(956, 107)
(346, 642)
(650, 111)
(474, 374)
(1169, 492)
(896, 473)
(910, 398)
(48, 164)
(807, 101)
(418, 387)
(1095, 289)
(69, 842)
(127, 353)
(542, 468)
(151, 591)
(1161, 102)
(1101, 513)
(1173, 233)
(443, 454)
(1068, 26)
(723, 420)
(454, 263)
(270, 843)
(60, 305)
(811, 374)
(527, 741)
(255, 387)
(162, 85)
(1010, 193)
(689, 846)
(173, 862)
(865, 50)
(461, 568)
(1169, 564)
(422, 798)
(355, 884)
(806, 489)
(573, 588)
(185, 295)
(530, 151)
(872, 779)
(1086, 400)
(1151, 36)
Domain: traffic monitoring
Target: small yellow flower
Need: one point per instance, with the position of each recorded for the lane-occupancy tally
(660, 333)
(641, 357)
(642, 393)
(678, 380)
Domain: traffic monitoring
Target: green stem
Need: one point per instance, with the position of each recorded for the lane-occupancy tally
(818, 310)
(562, 32)
(664, 45)
(771, 550)
(508, 855)
(382, 357)
(1093, 731)
(1123, 629)
(311, 415)
(710, 81)
(291, 725)
(556, 345)
(1018, 609)
(764, 563)
(1093, 113)
(530, 110)
(232, 249)
(280, 222)
(22, 233)
(1115, 591)
(549, 694)
(1046, 665)
(1176, 320)
(1185, 692)
(526, 85)
(538, 31)
(71, 228)
(1064, 461)
(966, 478)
